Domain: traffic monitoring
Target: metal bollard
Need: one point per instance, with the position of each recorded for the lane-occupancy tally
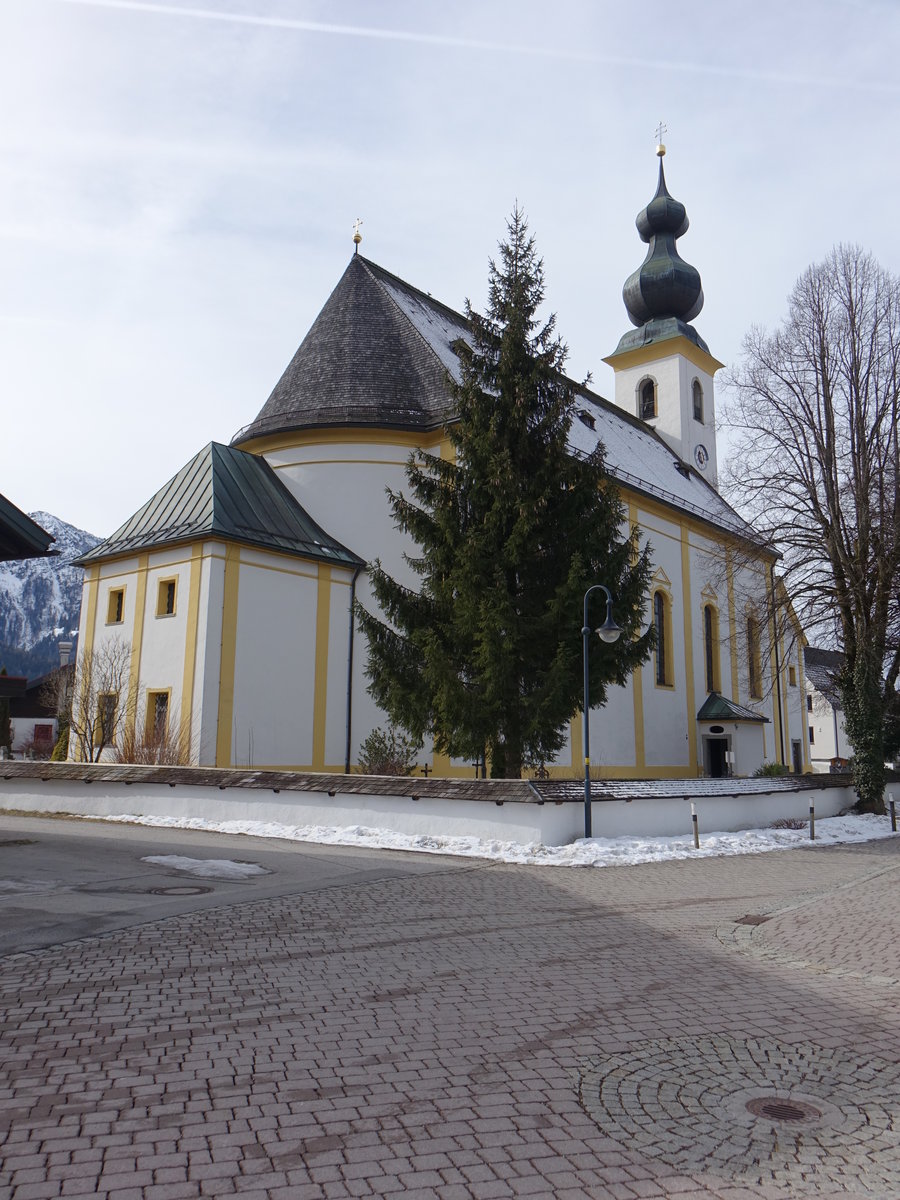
(812, 822)
(696, 826)
(892, 805)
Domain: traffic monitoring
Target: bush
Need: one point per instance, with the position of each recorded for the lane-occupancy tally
(148, 746)
(61, 749)
(771, 768)
(391, 753)
(789, 823)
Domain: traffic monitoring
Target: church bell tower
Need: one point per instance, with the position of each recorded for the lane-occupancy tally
(664, 370)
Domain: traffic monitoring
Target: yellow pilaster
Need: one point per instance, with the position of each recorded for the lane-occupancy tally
(92, 587)
(190, 647)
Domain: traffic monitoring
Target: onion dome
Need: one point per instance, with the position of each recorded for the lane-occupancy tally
(665, 292)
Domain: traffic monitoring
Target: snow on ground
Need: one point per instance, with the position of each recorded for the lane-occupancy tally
(205, 868)
(591, 852)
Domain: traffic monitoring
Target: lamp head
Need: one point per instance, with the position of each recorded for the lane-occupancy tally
(609, 631)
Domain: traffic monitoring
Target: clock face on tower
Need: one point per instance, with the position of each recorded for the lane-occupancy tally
(701, 456)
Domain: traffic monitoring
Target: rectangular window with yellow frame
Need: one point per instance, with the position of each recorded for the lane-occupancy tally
(115, 608)
(165, 598)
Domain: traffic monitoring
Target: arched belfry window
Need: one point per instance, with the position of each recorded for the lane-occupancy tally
(697, 391)
(647, 400)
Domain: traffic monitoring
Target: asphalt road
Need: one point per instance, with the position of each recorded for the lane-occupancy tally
(66, 879)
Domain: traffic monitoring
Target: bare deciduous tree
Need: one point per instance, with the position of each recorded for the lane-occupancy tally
(96, 702)
(816, 406)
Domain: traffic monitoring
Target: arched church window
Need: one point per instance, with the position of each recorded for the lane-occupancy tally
(647, 400)
(697, 391)
(662, 622)
(711, 647)
(754, 670)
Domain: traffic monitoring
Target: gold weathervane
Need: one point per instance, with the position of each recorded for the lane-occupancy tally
(357, 236)
(660, 130)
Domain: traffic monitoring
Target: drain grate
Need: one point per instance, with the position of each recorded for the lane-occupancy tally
(782, 1110)
(183, 890)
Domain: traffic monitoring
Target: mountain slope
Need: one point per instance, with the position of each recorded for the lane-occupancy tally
(40, 600)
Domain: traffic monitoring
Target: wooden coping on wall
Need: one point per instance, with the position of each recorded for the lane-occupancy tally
(495, 791)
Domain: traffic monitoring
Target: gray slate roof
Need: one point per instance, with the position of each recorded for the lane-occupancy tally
(377, 354)
(719, 708)
(821, 667)
(20, 537)
(381, 354)
(225, 493)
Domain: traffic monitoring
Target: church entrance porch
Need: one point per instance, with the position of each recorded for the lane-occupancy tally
(716, 755)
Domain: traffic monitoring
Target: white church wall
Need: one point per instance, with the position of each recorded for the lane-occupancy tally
(346, 481)
(274, 693)
(161, 657)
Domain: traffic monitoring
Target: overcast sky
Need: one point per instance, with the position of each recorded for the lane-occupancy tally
(179, 181)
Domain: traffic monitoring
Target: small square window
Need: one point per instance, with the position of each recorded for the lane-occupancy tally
(165, 598)
(115, 612)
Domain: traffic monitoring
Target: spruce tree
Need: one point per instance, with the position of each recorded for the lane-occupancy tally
(486, 655)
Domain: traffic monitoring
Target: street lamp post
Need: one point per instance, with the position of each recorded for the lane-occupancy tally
(608, 632)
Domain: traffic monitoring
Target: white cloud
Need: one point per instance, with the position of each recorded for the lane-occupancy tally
(177, 193)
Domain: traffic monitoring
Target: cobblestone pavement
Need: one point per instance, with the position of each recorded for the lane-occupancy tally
(477, 1032)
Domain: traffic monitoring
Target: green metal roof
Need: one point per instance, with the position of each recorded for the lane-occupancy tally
(719, 708)
(225, 493)
(20, 537)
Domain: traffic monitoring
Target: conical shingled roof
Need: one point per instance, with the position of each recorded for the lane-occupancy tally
(225, 493)
(370, 358)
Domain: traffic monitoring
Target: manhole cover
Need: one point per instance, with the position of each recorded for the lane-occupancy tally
(184, 889)
(755, 1110)
(782, 1110)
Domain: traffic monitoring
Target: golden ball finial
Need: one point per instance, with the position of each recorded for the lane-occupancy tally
(357, 236)
(660, 130)
(660, 149)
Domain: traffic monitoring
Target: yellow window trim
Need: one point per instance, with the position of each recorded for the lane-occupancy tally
(115, 605)
(152, 693)
(162, 596)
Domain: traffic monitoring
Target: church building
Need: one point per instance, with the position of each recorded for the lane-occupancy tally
(233, 587)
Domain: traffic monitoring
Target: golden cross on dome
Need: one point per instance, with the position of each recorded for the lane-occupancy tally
(660, 130)
(357, 236)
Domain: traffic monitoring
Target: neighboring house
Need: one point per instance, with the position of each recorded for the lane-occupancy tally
(33, 717)
(234, 585)
(828, 743)
(20, 537)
